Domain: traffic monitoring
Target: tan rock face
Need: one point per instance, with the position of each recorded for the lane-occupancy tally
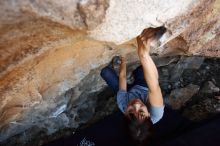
(200, 35)
(125, 19)
(42, 61)
(77, 14)
(51, 52)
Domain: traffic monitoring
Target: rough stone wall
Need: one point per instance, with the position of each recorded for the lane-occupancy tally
(51, 53)
(45, 61)
(198, 31)
(77, 14)
(193, 23)
(125, 19)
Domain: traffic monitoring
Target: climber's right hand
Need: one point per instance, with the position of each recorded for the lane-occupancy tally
(144, 40)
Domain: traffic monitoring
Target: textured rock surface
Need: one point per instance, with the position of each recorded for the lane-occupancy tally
(125, 19)
(193, 25)
(44, 60)
(184, 94)
(51, 53)
(79, 14)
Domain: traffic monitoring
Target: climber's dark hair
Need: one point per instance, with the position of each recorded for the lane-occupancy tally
(139, 133)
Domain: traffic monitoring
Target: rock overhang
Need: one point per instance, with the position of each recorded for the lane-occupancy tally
(48, 48)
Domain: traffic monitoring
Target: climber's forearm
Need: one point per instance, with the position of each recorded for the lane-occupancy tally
(151, 77)
(150, 71)
(122, 77)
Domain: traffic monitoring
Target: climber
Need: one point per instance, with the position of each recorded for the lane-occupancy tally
(141, 102)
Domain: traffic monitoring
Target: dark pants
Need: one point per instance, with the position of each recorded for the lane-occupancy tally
(111, 78)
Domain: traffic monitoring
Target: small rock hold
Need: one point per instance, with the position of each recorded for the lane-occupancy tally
(169, 86)
(207, 67)
(210, 87)
(176, 85)
(217, 97)
(165, 72)
(213, 80)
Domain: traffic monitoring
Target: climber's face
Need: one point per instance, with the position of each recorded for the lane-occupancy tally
(137, 108)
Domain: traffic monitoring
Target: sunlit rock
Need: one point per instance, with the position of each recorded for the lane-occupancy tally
(51, 53)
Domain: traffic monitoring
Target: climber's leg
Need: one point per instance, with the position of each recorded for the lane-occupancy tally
(111, 78)
(139, 77)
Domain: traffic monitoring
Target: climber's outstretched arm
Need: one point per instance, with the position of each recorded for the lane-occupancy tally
(149, 68)
(122, 75)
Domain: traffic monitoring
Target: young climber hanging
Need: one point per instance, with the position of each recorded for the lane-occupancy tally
(141, 102)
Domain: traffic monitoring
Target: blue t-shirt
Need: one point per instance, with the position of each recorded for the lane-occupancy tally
(124, 97)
